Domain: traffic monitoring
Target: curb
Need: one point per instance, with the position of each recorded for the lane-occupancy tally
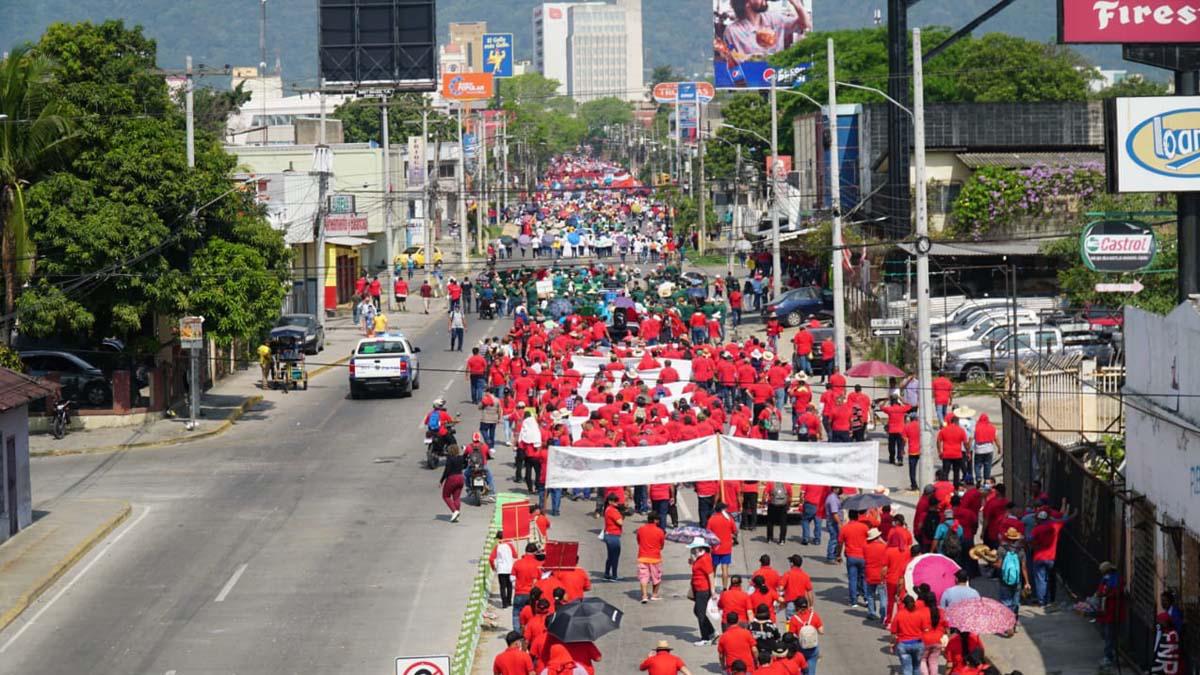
(463, 660)
(220, 429)
(9, 615)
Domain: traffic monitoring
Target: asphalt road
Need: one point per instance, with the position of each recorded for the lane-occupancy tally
(307, 539)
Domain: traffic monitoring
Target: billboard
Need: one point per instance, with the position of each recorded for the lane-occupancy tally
(668, 92)
(391, 43)
(747, 32)
(468, 86)
(1128, 21)
(1117, 246)
(498, 54)
(1153, 144)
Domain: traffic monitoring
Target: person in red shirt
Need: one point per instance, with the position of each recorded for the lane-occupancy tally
(795, 586)
(525, 573)
(614, 520)
(764, 595)
(852, 539)
(895, 411)
(1043, 542)
(875, 564)
(803, 343)
(722, 525)
(376, 290)
(400, 290)
(735, 307)
(734, 600)
(668, 374)
(951, 440)
(960, 646)
(839, 421)
(827, 356)
(736, 644)
(476, 374)
(897, 562)
(908, 629)
(650, 538)
(514, 660)
(943, 394)
(662, 662)
(575, 581)
(701, 586)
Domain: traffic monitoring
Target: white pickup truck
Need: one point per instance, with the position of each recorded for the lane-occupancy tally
(387, 362)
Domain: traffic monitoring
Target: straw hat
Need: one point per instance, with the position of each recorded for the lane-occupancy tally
(964, 411)
(1106, 567)
(982, 552)
(873, 534)
(662, 646)
(1012, 534)
(768, 356)
(698, 542)
(802, 376)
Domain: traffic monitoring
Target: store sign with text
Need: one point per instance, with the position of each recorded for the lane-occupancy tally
(1153, 144)
(345, 225)
(468, 86)
(1128, 21)
(1117, 246)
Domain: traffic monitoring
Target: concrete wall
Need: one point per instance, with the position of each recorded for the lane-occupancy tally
(14, 425)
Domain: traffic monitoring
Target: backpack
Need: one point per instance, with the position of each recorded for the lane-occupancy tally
(779, 495)
(929, 526)
(1010, 569)
(771, 424)
(951, 546)
(809, 637)
(435, 422)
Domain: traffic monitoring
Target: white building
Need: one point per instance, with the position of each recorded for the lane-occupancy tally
(269, 108)
(594, 49)
(1162, 448)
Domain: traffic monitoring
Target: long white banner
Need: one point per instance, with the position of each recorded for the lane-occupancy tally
(729, 458)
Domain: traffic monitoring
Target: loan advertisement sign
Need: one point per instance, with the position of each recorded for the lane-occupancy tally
(747, 32)
(1128, 21)
(1154, 144)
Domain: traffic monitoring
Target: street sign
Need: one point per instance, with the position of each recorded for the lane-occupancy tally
(885, 332)
(1135, 287)
(423, 665)
(686, 92)
(498, 54)
(191, 332)
(887, 323)
(1117, 246)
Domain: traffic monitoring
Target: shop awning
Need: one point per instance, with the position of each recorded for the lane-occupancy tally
(350, 242)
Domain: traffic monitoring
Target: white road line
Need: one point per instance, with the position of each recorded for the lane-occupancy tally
(170, 672)
(230, 584)
(74, 579)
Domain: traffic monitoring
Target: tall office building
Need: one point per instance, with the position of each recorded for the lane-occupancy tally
(469, 36)
(593, 49)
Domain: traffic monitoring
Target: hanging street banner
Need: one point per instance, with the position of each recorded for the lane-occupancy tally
(416, 161)
(1128, 21)
(746, 33)
(1117, 246)
(1153, 144)
(498, 54)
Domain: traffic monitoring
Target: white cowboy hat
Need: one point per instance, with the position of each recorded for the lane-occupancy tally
(756, 354)
(698, 542)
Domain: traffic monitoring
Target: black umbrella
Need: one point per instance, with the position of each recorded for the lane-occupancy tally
(584, 620)
(864, 501)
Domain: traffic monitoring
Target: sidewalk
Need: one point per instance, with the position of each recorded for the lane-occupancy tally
(220, 407)
(37, 556)
(1060, 642)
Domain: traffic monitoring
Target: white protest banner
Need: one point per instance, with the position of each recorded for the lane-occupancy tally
(842, 464)
(570, 467)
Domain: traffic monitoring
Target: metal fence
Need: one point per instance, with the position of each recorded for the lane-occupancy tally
(1070, 400)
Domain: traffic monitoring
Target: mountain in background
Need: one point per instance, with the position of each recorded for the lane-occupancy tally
(676, 32)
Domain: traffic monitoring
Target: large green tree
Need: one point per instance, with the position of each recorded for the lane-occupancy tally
(126, 230)
(33, 136)
(362, 120)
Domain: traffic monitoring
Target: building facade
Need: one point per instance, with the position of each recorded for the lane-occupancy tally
(469, 37)
(593, 49)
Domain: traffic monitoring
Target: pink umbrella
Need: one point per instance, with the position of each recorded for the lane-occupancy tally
(981, 615)
(934, 569)
(874, 369)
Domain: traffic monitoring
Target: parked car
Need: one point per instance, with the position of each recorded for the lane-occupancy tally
(417, 254)
(795, 305)
(80, 380)
(314, 333)
(965, 311)
(1045, 340)
(994, 316)
(387, 362)
(993, 330)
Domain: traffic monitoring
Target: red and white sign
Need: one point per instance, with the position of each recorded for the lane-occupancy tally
(1128, 21)
(778, 167)
(1135, 287)
(345, 225)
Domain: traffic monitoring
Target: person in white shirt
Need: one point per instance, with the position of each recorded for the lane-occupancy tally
(502, 559)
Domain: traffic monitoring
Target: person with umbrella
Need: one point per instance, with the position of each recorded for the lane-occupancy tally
(701, 588)
(662, 662)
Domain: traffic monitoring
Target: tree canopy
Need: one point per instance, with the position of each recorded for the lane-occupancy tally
(125, 230)
(362, 118)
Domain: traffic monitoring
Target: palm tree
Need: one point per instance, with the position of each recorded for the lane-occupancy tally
(33, 134)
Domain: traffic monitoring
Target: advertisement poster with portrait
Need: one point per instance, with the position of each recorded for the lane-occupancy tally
(747, 32)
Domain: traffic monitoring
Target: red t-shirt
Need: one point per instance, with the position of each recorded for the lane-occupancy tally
(808, 617)
(722, 525)
(525, 572)
(952, 437)
(512, 661)
(895, 414)
(942, 389)
(476, 365)
(803, 340)
(662, 663)
(912, 433)
(839, 418)
(897, 561)
(795, 583)
(853, 536)
(734, 599)
(650, 539)
(702, 568)
(1044, 539)
(736, 644)
(876, 558)
(612, 521)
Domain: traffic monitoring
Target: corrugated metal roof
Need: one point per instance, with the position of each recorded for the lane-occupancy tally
(17, 389)
(1018, 247)
(1024, 160)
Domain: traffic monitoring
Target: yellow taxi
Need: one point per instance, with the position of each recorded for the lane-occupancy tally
(417, 255)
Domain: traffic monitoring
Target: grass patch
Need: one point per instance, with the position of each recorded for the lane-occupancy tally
(708, 259)
(979, 388)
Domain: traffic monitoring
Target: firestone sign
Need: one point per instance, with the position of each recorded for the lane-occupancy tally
(1128, 21)
(1117, 246)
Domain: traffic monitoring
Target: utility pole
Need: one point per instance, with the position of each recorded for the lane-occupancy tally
(190, 86)
(485, 198)
(462, 194)
(835, 185)
(322, 164)
(924, 343)
(504, 159)
(427, 207)
(387, 204)
(776, 266)
(737, 205)
(700, 189)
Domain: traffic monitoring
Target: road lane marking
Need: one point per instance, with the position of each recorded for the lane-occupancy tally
(76, 578)
(230, 584)
(170, 672)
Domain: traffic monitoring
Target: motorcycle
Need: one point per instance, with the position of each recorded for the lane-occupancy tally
(487, 309)
(436, 444)
(477, 489)
(62, 419)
